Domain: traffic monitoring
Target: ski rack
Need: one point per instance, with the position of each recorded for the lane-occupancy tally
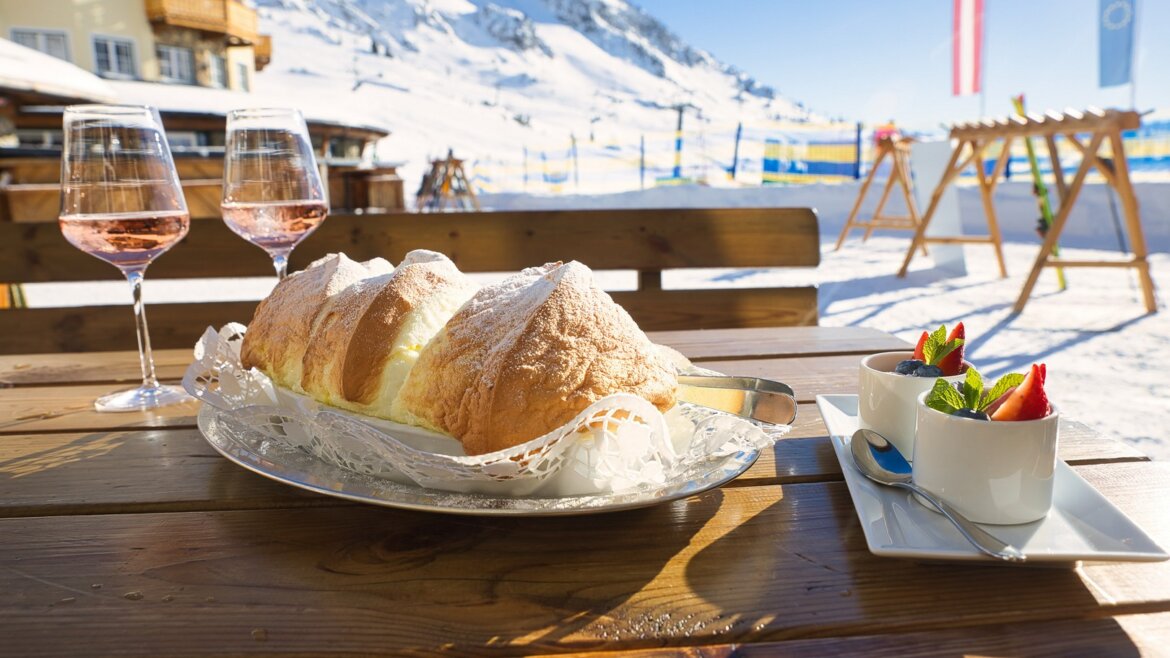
(1094, 125)
(898, 150)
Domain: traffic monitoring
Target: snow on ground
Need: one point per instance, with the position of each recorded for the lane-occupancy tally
(1106, 357)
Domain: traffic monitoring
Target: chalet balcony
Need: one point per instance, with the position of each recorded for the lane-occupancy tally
(231, 18)
(263, 51)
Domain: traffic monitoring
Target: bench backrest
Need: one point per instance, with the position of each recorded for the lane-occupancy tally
(646, 240)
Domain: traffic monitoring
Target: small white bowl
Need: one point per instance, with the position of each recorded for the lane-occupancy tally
(991, 471)
(886, 400)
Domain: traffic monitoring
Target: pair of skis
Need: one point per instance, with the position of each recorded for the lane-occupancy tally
(1041, 191)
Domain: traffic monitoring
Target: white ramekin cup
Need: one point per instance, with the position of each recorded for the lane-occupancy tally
(991, 471)
(886, 400)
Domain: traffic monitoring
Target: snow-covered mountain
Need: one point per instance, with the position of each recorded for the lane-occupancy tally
(512, 84)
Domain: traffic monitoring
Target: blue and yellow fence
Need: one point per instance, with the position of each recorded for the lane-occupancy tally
(786, 153)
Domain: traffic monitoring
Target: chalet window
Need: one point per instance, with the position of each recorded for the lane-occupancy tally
(218, 72)
(176, 64)
(50, 42)
(183, 140)
(242, 73)
(115, 57)
(46, 139)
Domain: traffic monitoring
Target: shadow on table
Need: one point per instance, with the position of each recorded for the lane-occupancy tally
(801, 569)
(319, 575)
(425, 582)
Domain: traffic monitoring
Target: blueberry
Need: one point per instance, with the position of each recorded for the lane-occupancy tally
(971, 413)
(928, 371)
(907, 367)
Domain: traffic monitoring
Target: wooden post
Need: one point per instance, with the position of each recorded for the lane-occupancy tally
(1057, 168)
(1129, 204)
(850, 221)
(1066, 205)
(889, 187)
(906, 178)
(986, 190)
(898, 150)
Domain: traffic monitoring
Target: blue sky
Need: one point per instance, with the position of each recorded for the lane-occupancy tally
(872, 60)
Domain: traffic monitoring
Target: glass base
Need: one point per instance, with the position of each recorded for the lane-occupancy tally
(141, 398)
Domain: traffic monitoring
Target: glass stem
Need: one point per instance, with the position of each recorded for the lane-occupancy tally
(280, 262)
(145, 358)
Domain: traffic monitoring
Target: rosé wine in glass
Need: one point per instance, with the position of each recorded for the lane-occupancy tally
(274, 225)
(131, 240)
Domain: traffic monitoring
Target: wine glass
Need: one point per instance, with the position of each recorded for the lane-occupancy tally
(121, 201)
(272, 192)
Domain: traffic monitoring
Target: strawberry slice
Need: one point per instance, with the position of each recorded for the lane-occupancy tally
(998, 402)
(952, 364)
(1028, 401)
(918, 348)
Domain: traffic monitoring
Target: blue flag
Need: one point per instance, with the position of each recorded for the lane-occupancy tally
(1116, 20)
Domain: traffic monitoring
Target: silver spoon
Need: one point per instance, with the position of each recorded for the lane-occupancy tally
(880, 461)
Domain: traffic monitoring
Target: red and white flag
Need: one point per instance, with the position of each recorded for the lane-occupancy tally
(967, 44)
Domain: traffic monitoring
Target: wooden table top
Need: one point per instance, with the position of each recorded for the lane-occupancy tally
(128, 533)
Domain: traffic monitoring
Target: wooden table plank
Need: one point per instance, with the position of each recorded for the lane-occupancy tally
(726, 344)
(70, 409)
(168, 469)
(1124, 635)
(808, 376)
(783, 341)
(88, 368)
(109, 472)
(130, 472)
(753, 564)
(805, 454)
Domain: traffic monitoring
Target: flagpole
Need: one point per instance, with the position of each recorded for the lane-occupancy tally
(983, 61)
(1133, 60)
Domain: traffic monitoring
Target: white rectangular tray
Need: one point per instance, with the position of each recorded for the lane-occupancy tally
(1083, 524)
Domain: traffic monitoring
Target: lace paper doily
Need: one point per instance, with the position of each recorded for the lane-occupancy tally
(617, 443)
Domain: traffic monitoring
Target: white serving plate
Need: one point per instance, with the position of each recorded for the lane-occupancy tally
(1083, 524)
(293, 466)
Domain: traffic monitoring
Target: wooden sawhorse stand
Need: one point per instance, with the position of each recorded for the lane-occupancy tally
(1100, 125)
(898, 149)
(445, 187)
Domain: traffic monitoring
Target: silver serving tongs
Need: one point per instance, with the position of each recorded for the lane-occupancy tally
(747, 397)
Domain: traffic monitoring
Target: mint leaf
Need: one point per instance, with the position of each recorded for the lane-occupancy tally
(933, 342)
(972, 388)
(945, 349)
(1002, 386)
(943, 397)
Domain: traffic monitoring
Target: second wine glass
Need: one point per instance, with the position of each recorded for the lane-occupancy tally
(272, 191)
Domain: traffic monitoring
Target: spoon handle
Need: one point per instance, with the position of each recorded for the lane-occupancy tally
(979, 538)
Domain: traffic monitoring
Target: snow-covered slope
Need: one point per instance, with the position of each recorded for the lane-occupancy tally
(491, 79)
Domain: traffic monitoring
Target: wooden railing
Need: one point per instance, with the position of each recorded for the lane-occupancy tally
(229, 17)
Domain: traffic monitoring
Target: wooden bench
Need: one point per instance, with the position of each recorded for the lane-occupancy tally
(648, 241)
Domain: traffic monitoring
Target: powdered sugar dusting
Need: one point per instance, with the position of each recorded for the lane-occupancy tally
(523, 356)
